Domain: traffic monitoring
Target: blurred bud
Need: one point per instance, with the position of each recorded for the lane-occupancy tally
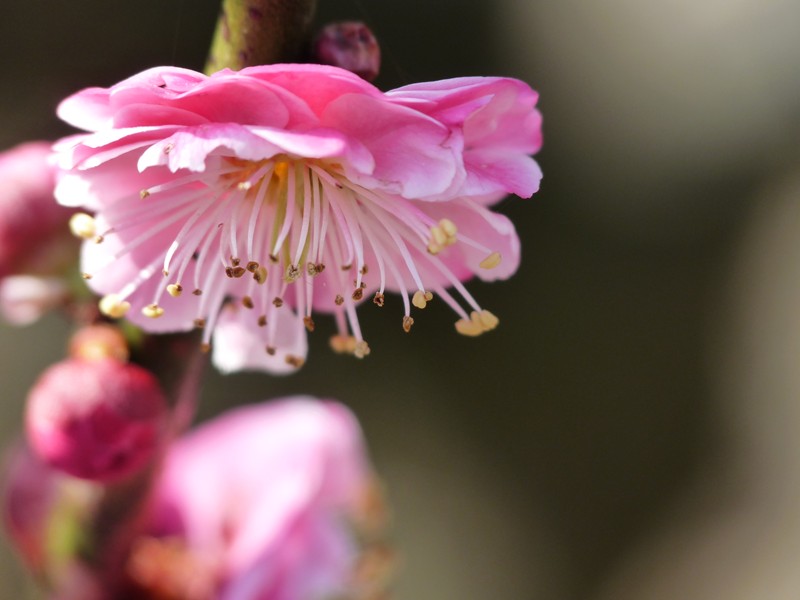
(349, 45)
(97, 342)
(96, 419)
(25, 298)
(33, 228)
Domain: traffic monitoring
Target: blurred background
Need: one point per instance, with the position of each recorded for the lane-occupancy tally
(631, 429)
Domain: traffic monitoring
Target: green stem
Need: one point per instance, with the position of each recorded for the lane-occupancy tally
(258, 32)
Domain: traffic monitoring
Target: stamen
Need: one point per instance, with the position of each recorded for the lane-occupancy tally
(478, 323)
(152, 311)
(113, 306)
(361, 349)
(378, 299)
(407, 323)
(174, 289)
(343, 344)
(260, 275)
(247, 302)
(491, 261)
(421, 298)
(200, 323)
(83, 226)
(309, 323)
(262, 321)
(442, 235)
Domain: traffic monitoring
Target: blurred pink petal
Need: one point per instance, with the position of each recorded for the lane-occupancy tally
(24, 299)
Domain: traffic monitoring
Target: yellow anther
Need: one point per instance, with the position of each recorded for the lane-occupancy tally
(361, 349)
(83, 226)
(407, 323)
(478, 323)
(294, 361)
(449, 228)
(86, 275)
(343, 344)
(488, 320)
(144, 194)
(152, 311)
(113, 306)
(260, 275)
(174, 289)
(421, 298)
(468, 328)
(491, 261)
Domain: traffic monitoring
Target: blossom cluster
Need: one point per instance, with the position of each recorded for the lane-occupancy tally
(241, 204)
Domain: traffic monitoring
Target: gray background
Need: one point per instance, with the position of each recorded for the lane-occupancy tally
(629, 430)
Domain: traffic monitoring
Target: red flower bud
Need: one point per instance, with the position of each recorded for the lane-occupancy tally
(96, 419)
(351, 46)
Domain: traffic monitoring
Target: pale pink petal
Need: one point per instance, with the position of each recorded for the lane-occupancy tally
(240, 345)
(24, 299)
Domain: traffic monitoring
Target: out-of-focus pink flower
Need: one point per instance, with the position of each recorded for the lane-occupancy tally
(33, 227)
(25, 298)
(287, 187)
(257, 505)
(100, 420)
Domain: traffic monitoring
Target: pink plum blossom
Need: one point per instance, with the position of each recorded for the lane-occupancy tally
(258, 504)
(282, 190)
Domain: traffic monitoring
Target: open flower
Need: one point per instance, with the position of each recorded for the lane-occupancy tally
(288, 189)
(258, 504)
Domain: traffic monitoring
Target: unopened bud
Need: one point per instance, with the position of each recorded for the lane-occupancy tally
(96, 419)
(349, 45)
(97, 342)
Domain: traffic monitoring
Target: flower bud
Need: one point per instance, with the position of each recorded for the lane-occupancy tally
(96, 342)
(30, 219)
(96, 419)
(349, 45)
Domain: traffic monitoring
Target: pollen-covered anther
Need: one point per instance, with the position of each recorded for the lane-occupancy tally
(343, 344)
(152, 311)
(478, 323)
(236, 261)
(205, 348)
(361, 349)
(491, 261)
(271, 350)
(262, 321)
(294, 361)
(113, 306)
(86, 275)
(244, 185)
(273, 258)
(358, 293)
(292, 274)
(98, 239)
(442, 235)
(364, 269)
(83, 226)
(247, 302)
(260, 275)
(237, 272)
(339, 300)
(408, 321)
(197, 292)
(277, 301)
(309, 323)
(199, 323)
(174, 289)
(144, 194)
(421, 298)
(252, 266)
(378, 299)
